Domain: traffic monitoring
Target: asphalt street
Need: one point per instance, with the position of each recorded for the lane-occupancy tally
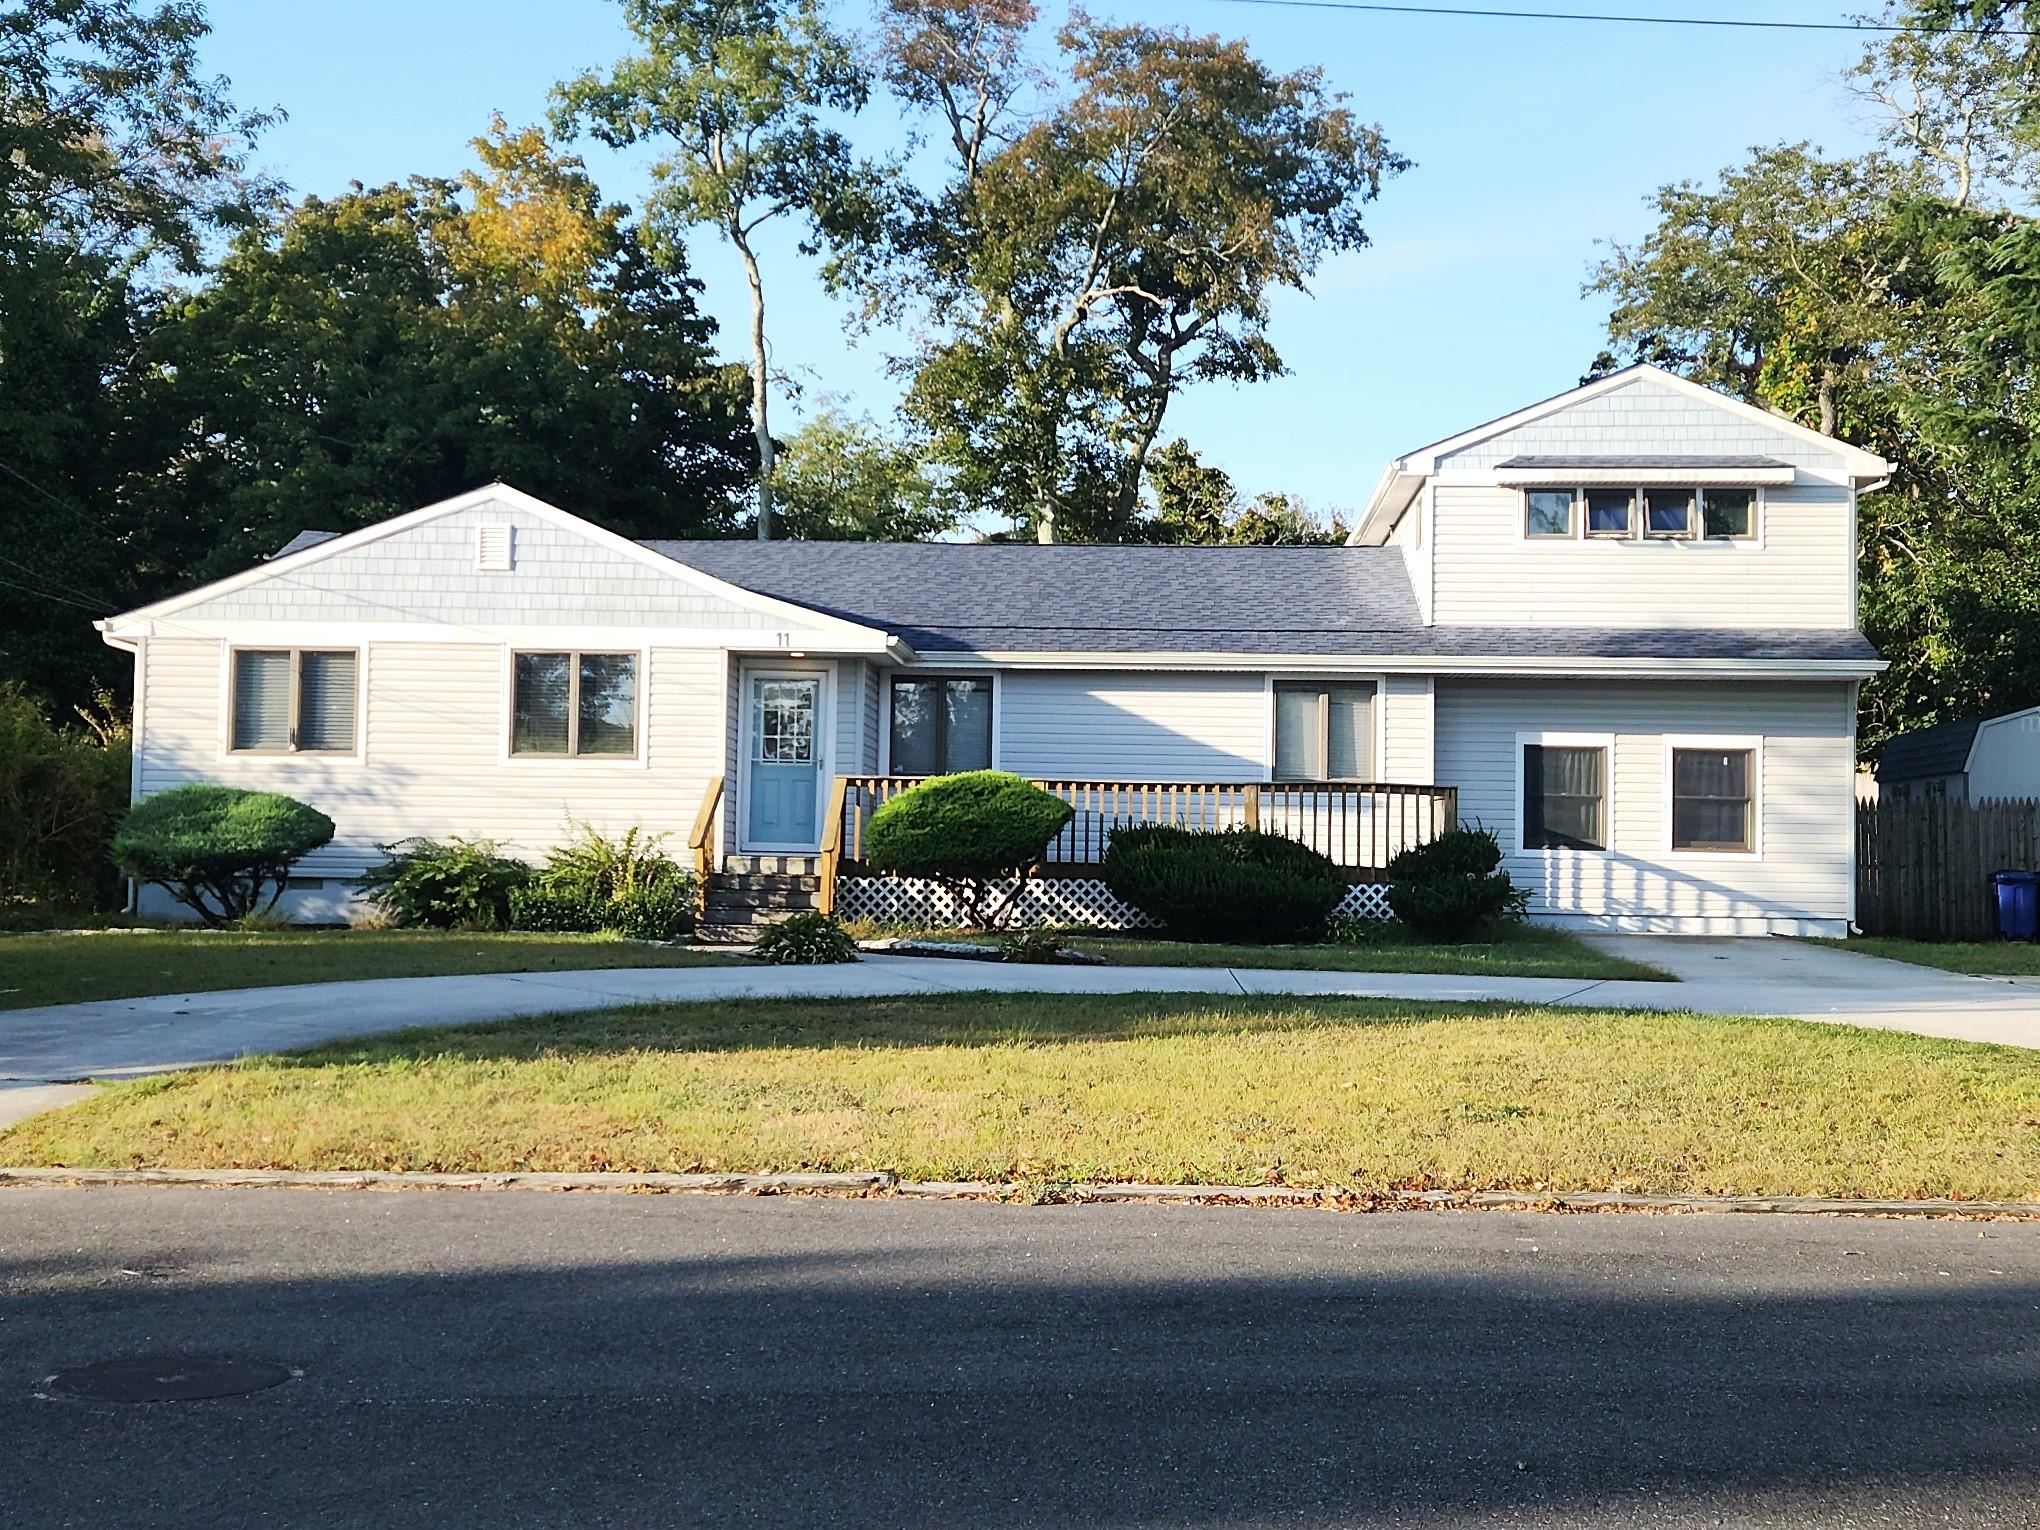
(510, 1359)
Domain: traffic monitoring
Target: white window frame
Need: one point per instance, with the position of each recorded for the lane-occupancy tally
(1637, 535)
(1753, 743)
(507, 720)
(295, 650)
(886, 677)
(1379, 747)
(1602, 741)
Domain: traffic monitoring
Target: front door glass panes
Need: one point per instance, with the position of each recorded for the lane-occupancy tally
(783, 727)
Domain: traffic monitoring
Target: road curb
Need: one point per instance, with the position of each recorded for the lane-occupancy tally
(879, 1182)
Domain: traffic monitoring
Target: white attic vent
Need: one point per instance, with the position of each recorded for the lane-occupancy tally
(495, 549)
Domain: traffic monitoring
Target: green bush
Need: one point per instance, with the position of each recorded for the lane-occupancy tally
(968, 832)
(1452, 888)
(662, 911)
(62, 792)
(1042, 944)
(805, 940)
(216, 849)
(446, 884)
(1227, 884)
(596, 867)
(541, 909)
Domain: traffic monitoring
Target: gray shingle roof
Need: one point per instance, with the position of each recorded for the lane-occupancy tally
(1641, 464)
(964, 598)
(301, 541)
(1942, 750)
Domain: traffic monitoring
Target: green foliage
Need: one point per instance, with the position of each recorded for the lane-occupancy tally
(216, 849)
(446, 884)
(662, 911)
(1197, 504)
(1453, 888)
(737, 94)
(1098, 248)
(1230, 884)
(1038, 946)
(62, 790)
(551, 911)
(840, 480)
(966, 832)
(809, 939)
(1359, 930)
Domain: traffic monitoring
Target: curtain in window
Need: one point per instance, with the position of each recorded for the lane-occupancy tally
(1350, 732)
(1710, 799)
(262, 699)
(326, 701)
(608, 703)
(542, 685)
(1299, 738)
(1562, 790)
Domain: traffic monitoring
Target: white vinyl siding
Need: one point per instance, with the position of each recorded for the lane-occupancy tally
(435, 719)
(1127, 726)
(1799, 574)
(1805, 871)
(1406, 729)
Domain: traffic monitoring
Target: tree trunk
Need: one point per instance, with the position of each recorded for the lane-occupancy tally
(1827, 402)
(761, 397)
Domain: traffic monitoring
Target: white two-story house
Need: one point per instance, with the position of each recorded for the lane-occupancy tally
(1616, 628)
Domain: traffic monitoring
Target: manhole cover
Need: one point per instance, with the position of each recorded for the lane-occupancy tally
(166, 1378)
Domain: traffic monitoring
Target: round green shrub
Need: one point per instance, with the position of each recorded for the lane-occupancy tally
(218, 849)
(805, 940)
(446, 884)
(1452, 888)
(966, 832)
(1227, 884)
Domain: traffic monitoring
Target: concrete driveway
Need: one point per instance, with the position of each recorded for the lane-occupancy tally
(49, 1050)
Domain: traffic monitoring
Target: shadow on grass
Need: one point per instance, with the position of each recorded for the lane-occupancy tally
(598, 1361)
(952, 1020)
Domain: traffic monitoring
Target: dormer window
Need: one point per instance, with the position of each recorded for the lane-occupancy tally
(1610, 512)
(1548, 513)
(1668, 512)
(1729, 514)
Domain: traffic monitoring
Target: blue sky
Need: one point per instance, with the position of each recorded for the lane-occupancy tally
(1533, 140)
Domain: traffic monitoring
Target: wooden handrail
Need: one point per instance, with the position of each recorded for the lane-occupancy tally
(832, 844)
(701, 840)
(1359, 825)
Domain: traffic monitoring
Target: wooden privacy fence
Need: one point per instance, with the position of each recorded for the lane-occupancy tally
(1360, 827)
(1923, 866)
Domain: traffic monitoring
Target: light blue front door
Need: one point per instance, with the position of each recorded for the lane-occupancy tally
(785, 763)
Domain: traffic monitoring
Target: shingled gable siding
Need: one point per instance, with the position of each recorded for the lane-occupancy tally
(1803, 880)
(433, 762)
(428, 574)
(1801, 575)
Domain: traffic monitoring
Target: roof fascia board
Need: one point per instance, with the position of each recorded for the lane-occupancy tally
(1646, 668)
(516, 499)
(741, 639)
(1560, 478)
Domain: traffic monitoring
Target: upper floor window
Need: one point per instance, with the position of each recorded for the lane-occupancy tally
(1324, 732)
(294, 700)
(941, 725)
(574, 704)
(1657, 512)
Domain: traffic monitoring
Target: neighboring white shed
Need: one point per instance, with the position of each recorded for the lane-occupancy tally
(1972, 760)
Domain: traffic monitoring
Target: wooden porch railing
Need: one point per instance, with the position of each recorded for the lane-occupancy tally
(1360, 827)
(701, 840)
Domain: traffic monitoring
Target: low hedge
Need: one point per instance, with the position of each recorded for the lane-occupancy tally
(1223, 885)
(1452, 888)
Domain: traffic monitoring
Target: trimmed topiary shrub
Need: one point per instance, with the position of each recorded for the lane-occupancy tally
(446, 884)
(1227, 884)
(1452, 888)
(968, 832)
(810, 940)
(223, 853)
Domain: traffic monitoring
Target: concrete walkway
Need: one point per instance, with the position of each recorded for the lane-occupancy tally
(64, 1044)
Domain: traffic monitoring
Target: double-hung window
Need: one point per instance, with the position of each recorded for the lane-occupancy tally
(1714, 798)
(1565, 797)
(294, 700)
(566, 704)
(941, 725)
(1324, 731)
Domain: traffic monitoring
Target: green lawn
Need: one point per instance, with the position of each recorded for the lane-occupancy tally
(1518, 951)
(1362, 1095)
(1991, 958)
(119, 964)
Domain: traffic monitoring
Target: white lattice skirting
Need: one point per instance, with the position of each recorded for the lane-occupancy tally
(1083, 902)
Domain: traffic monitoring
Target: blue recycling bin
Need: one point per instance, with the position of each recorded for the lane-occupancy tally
(2018, 904)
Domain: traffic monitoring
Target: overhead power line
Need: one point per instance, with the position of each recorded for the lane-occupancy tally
(1495, 14)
